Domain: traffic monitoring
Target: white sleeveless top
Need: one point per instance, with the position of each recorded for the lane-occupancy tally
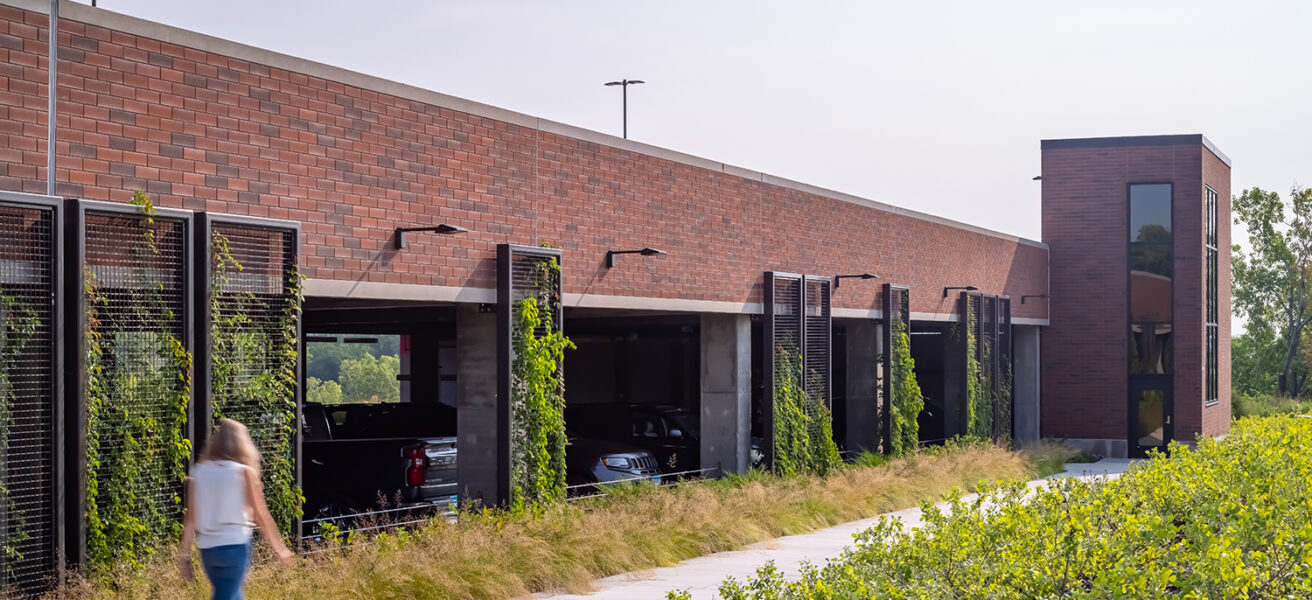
(223, 517)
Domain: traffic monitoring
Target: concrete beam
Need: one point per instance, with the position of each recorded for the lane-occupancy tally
(476, 408)
(726, 393)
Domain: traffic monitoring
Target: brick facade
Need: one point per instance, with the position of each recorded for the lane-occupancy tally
(1085, 220)
(204, 130)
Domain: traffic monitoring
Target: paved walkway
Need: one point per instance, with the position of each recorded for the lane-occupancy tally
(702, 576)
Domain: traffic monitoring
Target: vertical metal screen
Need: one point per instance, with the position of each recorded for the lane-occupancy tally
(247, 367)
(989, 326)
(1004, 423)
(897, 322)
(783, 329)
(29, 392)
(818, 332)
(132, 398)
(522, 272)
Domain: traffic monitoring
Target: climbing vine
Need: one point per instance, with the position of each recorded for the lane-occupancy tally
(907, 400)
(253, 374)
(138, 390)
(538, 394)
(18, 324)
(803, 425)
(979, 405)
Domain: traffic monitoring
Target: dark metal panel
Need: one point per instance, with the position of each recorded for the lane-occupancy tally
(31, 260)
(514, 274)
(267, 252)
(91, 222)
(897, 310)
(785, 331)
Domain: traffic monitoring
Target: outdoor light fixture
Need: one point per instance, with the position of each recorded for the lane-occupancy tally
(442, 229)
(839, 278)
(610, 254)
(626, 83)
(1022, 298)
(968, 288)
(1037, 178)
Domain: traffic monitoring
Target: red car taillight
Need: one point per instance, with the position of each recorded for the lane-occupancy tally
(414, 474)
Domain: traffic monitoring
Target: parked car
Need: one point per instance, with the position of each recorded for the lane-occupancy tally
(359, 456)
(356, 456)
(669, 432)
(589, 461)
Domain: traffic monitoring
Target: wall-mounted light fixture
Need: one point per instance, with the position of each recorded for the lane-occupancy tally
(611, 254)
(968, 288)
(442, 229)
(1037, 178)
(1022, 298)
(839, 278)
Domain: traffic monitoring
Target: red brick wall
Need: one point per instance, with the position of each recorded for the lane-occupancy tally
(1216, 418)
(1084, 367)
(204, 131)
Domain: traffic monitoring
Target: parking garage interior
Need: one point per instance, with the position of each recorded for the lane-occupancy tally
(634, 379)
(931, 344)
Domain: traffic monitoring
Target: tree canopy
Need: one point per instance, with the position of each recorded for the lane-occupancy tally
(1273, 290)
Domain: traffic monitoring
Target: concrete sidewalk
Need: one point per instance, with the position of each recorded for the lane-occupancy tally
(702, 576)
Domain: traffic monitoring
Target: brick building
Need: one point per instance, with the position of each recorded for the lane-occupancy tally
(215, 130)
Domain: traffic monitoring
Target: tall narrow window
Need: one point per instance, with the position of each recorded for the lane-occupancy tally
(1213, 330)
(1152, 267)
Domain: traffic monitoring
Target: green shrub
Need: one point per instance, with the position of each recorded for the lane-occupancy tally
(1229, 519)
(1267, 405)
(908, 401)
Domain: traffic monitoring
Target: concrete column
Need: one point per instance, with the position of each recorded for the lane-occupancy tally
(863, 376)
(1025, 383)
(476, 408)
(726, 393)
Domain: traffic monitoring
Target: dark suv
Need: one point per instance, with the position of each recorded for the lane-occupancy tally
(669, 432)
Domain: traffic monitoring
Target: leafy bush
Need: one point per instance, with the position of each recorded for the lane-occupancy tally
(1229, 519)
(908, 401)
(1267, 405)
(370, 379)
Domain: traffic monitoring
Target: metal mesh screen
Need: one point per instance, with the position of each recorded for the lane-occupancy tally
(818, 331)
(1006, 375)
(27, 420)
(787, 339)
(138, 388)
(523, 272)
(253, 346)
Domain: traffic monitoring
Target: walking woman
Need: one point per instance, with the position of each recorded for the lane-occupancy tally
(224, 500)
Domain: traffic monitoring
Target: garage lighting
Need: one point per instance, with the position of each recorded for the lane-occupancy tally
(442, 229)
(611, 254)
(839, 278)
(968, 288)
(1022, 298)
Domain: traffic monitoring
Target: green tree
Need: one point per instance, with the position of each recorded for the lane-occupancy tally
(370, 379)
(1273, 278)
(322, 392)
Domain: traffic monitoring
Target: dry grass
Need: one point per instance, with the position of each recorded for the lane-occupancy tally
(567, 547)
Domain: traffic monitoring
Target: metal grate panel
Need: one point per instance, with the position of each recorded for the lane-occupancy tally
(818, 333)
(250, 360)
(897, 317)
(133, 397)
(28, 395)
(522, 272)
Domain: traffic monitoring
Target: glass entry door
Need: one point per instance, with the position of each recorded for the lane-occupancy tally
(1150, 414)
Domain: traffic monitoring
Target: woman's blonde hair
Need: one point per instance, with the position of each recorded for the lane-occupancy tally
(231, 442)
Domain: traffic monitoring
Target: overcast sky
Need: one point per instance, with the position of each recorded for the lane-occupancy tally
(935, 106)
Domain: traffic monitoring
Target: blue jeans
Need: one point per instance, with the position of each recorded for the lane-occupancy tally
(226, 567)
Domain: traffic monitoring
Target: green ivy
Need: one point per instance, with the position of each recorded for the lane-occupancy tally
(135, 366)
(538, 395)
(253, 367)
(803, 424)
(979, 400)
(18, 327)
(907, 400)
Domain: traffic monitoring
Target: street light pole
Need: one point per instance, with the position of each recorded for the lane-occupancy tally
(625, 83)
